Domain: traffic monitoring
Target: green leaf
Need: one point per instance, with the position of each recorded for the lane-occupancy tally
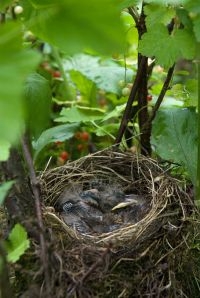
(54, 134)
(166, 48)
(16, 63)
(105, 77)
(107, 130)
(115, 113)
(75, 25)
(158, 14)
(174, 137)
(4, 150)
(17, 243)
(80, 114)
(37, 93)
(4, 188)
(196, 23)
(127, 3)
(4, 3)
(86, 87)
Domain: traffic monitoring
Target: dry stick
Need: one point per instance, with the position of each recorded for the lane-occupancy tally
(36, 193)
(127, 111)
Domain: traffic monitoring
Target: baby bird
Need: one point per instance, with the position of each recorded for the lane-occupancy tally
(109, 199)
(77, 208)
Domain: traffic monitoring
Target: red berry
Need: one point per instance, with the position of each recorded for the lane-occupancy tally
(149, 97)
(56, 74)
(64, 155)
(85, 136)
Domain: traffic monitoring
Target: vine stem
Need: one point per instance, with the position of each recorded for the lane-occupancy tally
(197, 191)
(127, 111)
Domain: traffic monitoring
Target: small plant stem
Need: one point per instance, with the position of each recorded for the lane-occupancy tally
(36, 193)
(197, 191)
(128, 108)
(58, 59)
(162, 94)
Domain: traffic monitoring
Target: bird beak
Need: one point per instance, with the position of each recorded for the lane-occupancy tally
(129, 202)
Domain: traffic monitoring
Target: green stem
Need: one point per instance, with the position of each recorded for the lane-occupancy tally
(197, 199)
(58, 59)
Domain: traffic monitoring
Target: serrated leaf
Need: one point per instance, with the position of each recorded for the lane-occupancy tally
(80, 114)
(4, 188)
(37, 93)
(174, 137)
(17, 243)
(158, 14)
(75, 25)
(166, 48)
(54, 134)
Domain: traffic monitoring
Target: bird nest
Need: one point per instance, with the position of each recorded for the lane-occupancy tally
(143, 256)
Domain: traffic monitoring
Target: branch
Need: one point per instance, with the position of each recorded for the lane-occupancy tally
(36, 193)
(127, 111)
(162, 94)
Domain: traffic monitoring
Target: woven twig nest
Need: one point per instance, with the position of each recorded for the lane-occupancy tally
(133, 173)
(148, 243)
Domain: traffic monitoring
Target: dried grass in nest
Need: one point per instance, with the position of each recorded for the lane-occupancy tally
(137, 260)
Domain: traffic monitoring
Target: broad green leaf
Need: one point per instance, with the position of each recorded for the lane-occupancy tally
(16, 63)
(80, 114)
(166, 48)
(54, 134)
(106, 77)
(86, 87)
(4, 188)
(196, 23)
(127, 3)
(4, 150)
(17, 243)
(37, 93)
(115, 113)
(158, 14)
(107, 130)
(174, 137)
(191, 87)
(75, 25)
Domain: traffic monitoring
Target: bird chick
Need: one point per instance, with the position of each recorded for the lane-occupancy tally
(109, 199)
(131, 210)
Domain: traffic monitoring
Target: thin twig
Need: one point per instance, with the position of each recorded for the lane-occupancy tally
(162, 94)
(127, 111)
(36, 193)
(90, 271)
